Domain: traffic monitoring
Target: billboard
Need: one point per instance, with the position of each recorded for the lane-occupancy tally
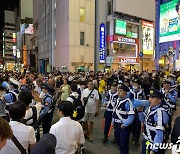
(170, 21)
(27, 29)
(120, 27)
(148, 37)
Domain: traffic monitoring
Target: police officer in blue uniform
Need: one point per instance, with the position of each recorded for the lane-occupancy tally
(155, 119)
(170, 95)
(110, 100)
(136, 93)
(11, 94)
(123, 116)
(169, 102)
(46, 114)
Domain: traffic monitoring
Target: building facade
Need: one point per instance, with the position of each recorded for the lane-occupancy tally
(9, 41)
(130, 40)
(66, 35)
(168, 34)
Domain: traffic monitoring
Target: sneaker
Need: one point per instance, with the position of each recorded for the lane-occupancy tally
(90, 138)
(104, 140)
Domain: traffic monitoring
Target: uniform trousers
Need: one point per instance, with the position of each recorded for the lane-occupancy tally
(122, 137)
(46, 122)
(108, 120)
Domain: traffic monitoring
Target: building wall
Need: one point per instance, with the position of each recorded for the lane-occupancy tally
(9, 17)
(140, 8)
(26, 9)
(101, 17)
(61, 55)
(59, 30)
(81, 53)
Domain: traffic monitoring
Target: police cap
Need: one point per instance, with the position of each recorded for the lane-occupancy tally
(167, 81)
(155, 93)
(124, 87)
(114, 84)
(137, 81)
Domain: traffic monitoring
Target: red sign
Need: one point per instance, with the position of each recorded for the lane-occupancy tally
(129, 60)
(148, 24)
(118, 38)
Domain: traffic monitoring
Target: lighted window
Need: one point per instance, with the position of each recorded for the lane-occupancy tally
(82, 14)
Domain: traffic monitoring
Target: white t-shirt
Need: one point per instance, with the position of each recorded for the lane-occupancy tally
(24, 134)
(29, 113)
(91, 104)
(68, 133)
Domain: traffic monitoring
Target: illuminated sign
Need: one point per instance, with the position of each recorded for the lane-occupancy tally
(24, 55)
(129, 60)
(148, 37)
(102, 43)
(169, 21)
(127, 40)
(120, 27)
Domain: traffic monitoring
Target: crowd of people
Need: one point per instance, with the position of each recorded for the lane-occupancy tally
(135, 103)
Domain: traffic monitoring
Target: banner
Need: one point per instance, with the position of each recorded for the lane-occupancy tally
(148, 37)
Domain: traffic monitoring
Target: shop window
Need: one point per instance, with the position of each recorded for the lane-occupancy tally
(82, 15)
(123, 49)
(82, 38)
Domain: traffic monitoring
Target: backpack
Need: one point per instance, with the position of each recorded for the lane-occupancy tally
(78, 109)
(35, 123)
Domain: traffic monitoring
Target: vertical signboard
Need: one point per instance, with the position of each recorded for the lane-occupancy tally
(148, 37)
(24, 55)
(102, 42)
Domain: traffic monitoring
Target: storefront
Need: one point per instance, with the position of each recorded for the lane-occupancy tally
(123, 52)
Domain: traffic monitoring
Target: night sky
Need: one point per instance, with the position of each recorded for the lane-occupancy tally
(6, 5)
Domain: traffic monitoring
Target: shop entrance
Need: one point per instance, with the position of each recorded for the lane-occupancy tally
(129, 67)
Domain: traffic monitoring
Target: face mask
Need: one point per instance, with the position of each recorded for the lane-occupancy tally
(134, 87)
(42, 95)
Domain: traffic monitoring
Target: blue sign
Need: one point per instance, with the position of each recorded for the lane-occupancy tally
(141, 54)
(102, 43)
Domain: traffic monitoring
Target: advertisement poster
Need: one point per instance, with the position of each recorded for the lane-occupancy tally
(148, 37)
(120, 27)
(170, 21)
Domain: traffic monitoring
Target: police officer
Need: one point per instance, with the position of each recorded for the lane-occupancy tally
(136, 93)
(110, 100)
(170, 95)
(12, 92)
(169, 102)
(46, 114)
(155, 119)
(123, 116)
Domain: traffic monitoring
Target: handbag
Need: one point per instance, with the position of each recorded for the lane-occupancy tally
(85, 99)
(18, 145)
